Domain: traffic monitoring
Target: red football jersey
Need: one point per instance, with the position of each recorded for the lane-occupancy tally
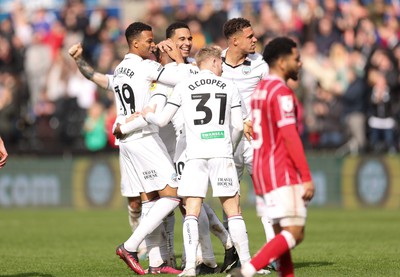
(274, 106)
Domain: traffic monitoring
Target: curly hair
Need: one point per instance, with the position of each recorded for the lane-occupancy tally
(235, 25)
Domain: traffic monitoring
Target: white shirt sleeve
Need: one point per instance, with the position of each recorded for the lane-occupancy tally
(174, 74)
(163, 118)
(139, 122)
(110, 81)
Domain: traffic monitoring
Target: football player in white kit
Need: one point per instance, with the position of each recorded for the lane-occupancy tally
(245, 68)
(213, 117)
(145, 164)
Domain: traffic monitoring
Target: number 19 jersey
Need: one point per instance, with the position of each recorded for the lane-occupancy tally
(131, 83)
(206, 101)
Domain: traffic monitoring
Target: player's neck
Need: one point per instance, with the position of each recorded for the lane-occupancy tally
(277, 73)
(234, 57)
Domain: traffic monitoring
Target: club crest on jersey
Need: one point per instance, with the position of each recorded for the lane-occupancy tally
(287, 104)
(246, 70)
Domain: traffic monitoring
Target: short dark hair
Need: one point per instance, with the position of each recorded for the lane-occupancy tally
(176, 25)
(277, 48)
(235, 25)
(134, 30)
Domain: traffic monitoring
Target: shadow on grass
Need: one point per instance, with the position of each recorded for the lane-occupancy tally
(309, 264)
(28, 274)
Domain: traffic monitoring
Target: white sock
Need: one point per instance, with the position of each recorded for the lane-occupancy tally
(153, 241)
(190, 240)
(248, 270)
(146, 206)
(269, 230)
(217, 228)
(169, 224)
(134, 217)
(161, 208)
(237, 229)
(206, 249)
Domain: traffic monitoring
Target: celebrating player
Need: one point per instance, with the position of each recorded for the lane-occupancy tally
(246, 68)
(145, 165)
(281, 173)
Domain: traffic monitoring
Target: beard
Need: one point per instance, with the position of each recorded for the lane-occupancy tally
(293, 74)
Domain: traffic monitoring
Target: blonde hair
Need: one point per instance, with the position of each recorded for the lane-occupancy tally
(207, 52)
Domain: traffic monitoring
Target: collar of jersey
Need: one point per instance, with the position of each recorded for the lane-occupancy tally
(246, 62)
(132, 56)
(206, 71)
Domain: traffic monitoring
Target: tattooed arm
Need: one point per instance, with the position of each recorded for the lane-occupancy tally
(75, 51)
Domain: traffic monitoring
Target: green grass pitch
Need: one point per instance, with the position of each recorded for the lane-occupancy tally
(57, 243)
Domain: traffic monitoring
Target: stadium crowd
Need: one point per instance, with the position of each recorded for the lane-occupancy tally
(349, 86)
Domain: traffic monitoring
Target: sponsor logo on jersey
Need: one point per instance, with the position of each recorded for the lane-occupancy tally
(246, 70)
(212, 135)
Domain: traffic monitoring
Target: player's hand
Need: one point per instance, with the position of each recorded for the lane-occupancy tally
(75, 51)
(133, 116)
(117, 131)
(248, 130)
(147, 110)
(170, 48)
(308, 191)
(3, 154)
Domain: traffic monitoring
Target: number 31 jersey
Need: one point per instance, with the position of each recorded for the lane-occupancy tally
(206, 101)
(131, 83)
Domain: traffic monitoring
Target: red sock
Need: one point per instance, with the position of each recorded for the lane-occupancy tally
(285, 265)
(270, 252)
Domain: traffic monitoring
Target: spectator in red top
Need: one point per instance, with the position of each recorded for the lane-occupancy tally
(281, 174)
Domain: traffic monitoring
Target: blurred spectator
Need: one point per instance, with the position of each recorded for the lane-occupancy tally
(94, 128)
(327, 34)
(354, 114)
(382, 76)
(328, 109)
(381, 121)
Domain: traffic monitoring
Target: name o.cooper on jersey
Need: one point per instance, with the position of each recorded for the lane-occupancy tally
(206, 100)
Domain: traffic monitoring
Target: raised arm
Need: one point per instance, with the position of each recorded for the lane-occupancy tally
(75, 51)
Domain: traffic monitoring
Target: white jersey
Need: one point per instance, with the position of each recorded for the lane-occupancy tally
(131, 84)
(246, 75)
(177, 120)
(206, 101)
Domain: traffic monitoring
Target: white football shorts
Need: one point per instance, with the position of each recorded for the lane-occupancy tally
(198, 173)
(286, 206)
(145, 166)
(243, 156)
(180, 157)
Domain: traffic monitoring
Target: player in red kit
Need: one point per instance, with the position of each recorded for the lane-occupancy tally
(280, 170)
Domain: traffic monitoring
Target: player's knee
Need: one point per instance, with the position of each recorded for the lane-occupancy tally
(135, 203)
